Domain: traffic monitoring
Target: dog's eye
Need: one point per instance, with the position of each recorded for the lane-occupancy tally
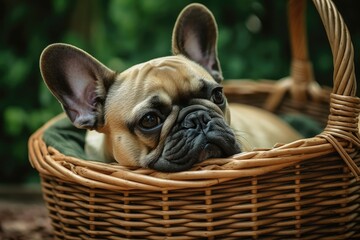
(150, 120)
(218, 96)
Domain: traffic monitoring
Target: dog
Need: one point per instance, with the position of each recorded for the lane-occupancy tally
(166, 114)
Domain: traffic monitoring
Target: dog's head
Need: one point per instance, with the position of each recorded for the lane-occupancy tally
(167, 114)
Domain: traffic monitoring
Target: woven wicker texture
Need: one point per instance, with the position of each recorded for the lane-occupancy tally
(307, 189)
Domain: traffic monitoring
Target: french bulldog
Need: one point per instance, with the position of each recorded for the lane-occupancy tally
(168, 113)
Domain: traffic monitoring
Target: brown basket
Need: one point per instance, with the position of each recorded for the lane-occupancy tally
(307, 189)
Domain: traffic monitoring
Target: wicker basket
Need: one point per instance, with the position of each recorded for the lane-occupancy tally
(307, 189)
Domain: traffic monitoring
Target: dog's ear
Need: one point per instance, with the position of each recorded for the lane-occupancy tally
(195, 36)
(78, 81)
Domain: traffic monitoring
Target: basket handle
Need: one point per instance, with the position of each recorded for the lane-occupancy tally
(342, 126)
(341, 47)
(340, 43)
(301, 70)
(302, 81)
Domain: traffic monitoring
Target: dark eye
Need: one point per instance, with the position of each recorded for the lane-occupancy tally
(150, 120)
(218, 96)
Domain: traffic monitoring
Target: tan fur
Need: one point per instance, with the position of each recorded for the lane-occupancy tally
(169, 78)
(257, 128)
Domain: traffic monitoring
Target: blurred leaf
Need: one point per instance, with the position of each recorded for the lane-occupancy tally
(6, 60)
(74, 39)
(38, 117)
(59, 5)
(225, 36)
(117, 64)
(14, 119)
(236, 66)
(18, 13)
(17, 72)
(243, 38)
(45, 96)
(324, 61)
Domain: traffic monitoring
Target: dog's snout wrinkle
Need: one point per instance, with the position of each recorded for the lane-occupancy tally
(197, 120)
(184, 112)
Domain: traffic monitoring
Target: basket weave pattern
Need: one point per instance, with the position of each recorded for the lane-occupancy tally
(307, 189)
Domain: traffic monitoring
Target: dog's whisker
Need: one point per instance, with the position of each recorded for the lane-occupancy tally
(241, 137)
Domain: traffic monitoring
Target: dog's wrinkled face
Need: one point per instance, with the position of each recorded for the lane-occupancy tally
(167, 114)
(170, 113)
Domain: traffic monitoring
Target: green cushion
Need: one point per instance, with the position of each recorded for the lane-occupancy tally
(66, 138)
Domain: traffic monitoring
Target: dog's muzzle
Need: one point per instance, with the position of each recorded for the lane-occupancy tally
(198, 134)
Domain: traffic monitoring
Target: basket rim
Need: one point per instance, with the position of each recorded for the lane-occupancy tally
(49, 161)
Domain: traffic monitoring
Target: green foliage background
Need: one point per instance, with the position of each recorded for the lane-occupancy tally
(253, 44)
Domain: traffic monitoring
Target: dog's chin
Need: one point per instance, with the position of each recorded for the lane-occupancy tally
(165, 164)
(182, 154)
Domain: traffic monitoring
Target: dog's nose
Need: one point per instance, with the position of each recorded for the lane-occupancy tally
(197, 120)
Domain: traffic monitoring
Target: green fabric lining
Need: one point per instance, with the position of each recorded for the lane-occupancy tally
(66, 138)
